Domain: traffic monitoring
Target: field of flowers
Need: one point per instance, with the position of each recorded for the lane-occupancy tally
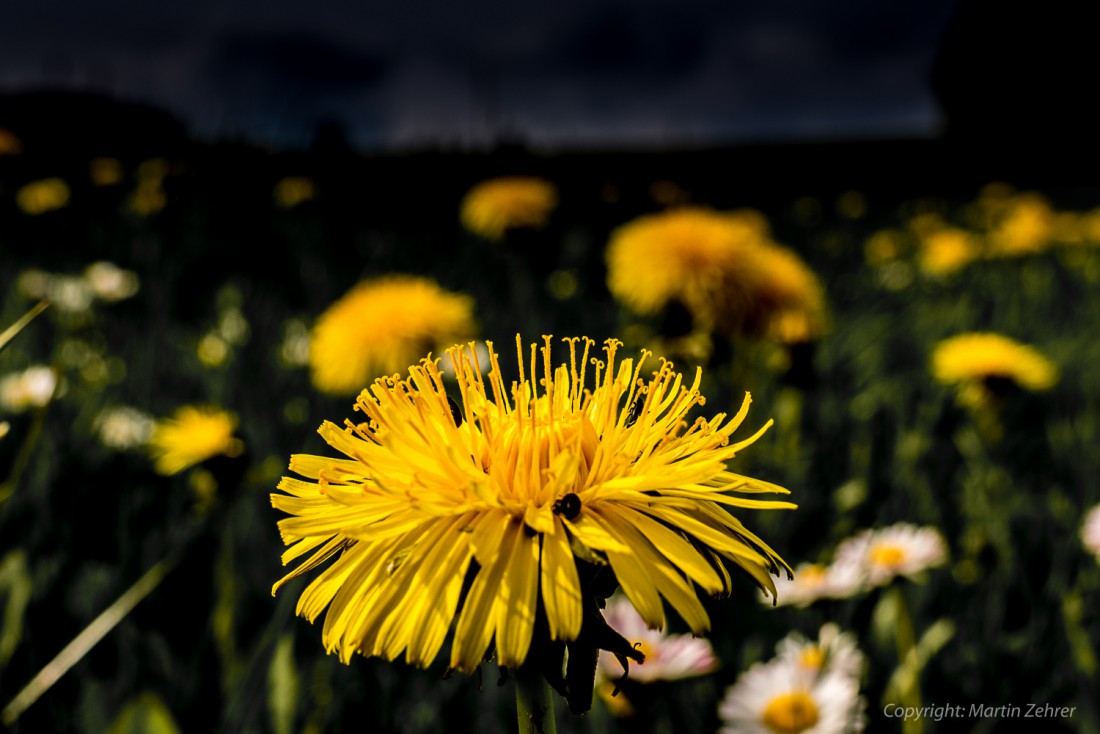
(183, 323)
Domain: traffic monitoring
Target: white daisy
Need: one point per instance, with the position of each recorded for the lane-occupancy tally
(813, 581)
(123, 427)
(667, 657)
(110, 282)
(1090, 531)
(31, 388)
(834, 652)
(782, 697)
(899, 550)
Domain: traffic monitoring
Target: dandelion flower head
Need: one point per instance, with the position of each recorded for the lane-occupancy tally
(975, 357)
(510, 490)
(39, 197)
(192, 435)
(291, 191)
(9, 143)
(493, 207)
(787, 301)
(899, 550)
(702, 258)
(783, 697)
(947, 250)
(1026, 226)
(105, 171)
(381, 326)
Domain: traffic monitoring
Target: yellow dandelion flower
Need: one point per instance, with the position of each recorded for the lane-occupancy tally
(980, 357)
(947, 250)
(884, 246)
(148, 198)
(192, 435)
(493, 509)
(39, 197)
(786, 301)
(105, 171)
(702, 258)
(1027, 226)
(9, 143)
(493, 207)
(294, 190)
(380, 326)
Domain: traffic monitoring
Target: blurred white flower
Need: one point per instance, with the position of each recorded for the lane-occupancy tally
(813, 582)
(123, 427)
(899, 550)
(31, 388)
(1090, 531)
(33, 284)
(70, 293)
(294, 351)
(667, 657)
(783, 696)
(834, 652)
(447, 367)
(109, 282)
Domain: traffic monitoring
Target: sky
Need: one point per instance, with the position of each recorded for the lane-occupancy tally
(573, 73)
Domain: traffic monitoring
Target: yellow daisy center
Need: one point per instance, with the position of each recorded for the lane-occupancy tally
(790, 713)
(646, 649)
(812, 575)
(812, 657)
(886, 555)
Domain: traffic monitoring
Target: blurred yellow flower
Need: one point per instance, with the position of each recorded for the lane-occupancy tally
(977, 357)
(9, 143)
(786, 301)
(1026, 226)
(39, 197)
(105, 171)
(382, 325)
(148, 198)
(883, 246)
(493, 207)
(294, 190)
(505, 489)
(704, 259)
(947, 250)
(192, 435)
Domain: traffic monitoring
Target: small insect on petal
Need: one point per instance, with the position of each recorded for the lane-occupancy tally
(456, 412)
(568, 506)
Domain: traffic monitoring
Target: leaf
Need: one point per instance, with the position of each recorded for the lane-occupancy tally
(145, 714)
(282, 686)
(905, 677)
(15, 583)
(11, 332)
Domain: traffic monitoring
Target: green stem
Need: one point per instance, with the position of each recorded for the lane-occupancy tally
(75, 651)
(907, 644)
(534, 702)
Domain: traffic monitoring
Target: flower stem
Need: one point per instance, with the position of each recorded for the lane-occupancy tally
(534, 704)
(907, 644)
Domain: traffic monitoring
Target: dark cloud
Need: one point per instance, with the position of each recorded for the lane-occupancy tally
(304, 62)
(578, 71)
